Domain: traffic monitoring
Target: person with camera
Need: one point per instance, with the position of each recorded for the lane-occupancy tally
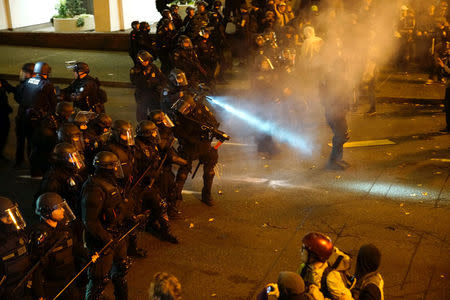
(290, 286)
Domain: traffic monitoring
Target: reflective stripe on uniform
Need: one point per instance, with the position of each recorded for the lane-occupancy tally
(19, 252)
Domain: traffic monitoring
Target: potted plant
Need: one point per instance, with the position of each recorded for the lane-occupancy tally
(71, 17)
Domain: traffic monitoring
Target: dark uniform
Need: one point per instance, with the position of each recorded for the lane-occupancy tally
(25, 73)
(195, 144)
(206, 52)
(5, 111)
(85, 91)
(38, 99)
(121, 143)
(148, 159)
(199, 21)
(133, 47)
(185, 59)
(145, 41)
(166, 40)
(176, 18)
(149, 82)
(53, 246)
(14, 258)
(103, 213)
(177, 89)
(95, 137)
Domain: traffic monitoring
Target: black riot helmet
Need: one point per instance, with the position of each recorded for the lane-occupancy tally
(64, 109)
(200, 4)
(167, 14)
(48, 203)
(177, 77)
(82, 119)
(185, 42)
(160, 118)
(81, 67)
(122, 132)
(42, 68)
(217, 4)
(188, 9)
(144, 56)
(70, 133)
(167, 23)
(144, 27)
(102, 124)
(10, 214)
(108, 161)
(68, 155)
(147, 129)
(135, 25)
(174, 8)
(26, 71)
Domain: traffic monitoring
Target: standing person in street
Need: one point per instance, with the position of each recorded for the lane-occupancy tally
(334, 94)
(369, 283)
(37, 100)
(5, 111)
(15, 260)
(85, 90)
(103, 214)
(133, 47)
(447, 109)
(52, 245)
(25, 73)
(149, 82)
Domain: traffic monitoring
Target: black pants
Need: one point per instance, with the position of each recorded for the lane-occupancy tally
(4, 131)
(21, 139)
(338, 125)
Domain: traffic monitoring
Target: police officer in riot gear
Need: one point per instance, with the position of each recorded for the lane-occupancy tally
(25, 73)
(199, 21)
(37, 100)
(70, 133)
(166, 40)
(52, 244)
(177, 89)
(96, 136)
(149, 82)
(85, 90)
(15, 261)
(165, 146)
(206, 51)
(185, 58)
(145, 41)
(177, 21)
(103, 214)
(192, 129)
(121, 143)
(133, 47)
(148, 161)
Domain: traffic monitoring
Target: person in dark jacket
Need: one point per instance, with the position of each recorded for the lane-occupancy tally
(369, 283)
(290, 286)
(133, 47)
(5, 111)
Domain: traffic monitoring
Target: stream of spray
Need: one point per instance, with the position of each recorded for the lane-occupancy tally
(283, 135)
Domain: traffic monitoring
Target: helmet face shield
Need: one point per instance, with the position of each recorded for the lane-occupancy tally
(127, 137)
(64, 212)
(167, 121)
(118, 171)
(181, 79)
(76, 159)
(13, 216)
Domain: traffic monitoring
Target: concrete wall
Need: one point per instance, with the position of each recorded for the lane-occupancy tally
(141, 10)
(31, 12)
(114, 15)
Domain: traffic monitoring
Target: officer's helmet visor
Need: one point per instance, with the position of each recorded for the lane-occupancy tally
(127, 137)
(118, 171)
(167, 121)
(76, 159)
(181, 79)
(65, 212)
(13, 216)
(78, 141)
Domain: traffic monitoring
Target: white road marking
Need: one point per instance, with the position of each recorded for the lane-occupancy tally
(441, 159)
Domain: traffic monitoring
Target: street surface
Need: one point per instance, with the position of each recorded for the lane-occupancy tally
(395, 195)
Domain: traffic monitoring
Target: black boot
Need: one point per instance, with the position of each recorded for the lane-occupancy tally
(206, 191)
(165, 233)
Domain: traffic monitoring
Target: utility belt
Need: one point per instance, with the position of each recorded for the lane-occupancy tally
(15, 254)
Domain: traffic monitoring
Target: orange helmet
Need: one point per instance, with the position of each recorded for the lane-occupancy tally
(318, 245)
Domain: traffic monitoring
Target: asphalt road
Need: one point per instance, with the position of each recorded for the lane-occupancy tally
(395, 195)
